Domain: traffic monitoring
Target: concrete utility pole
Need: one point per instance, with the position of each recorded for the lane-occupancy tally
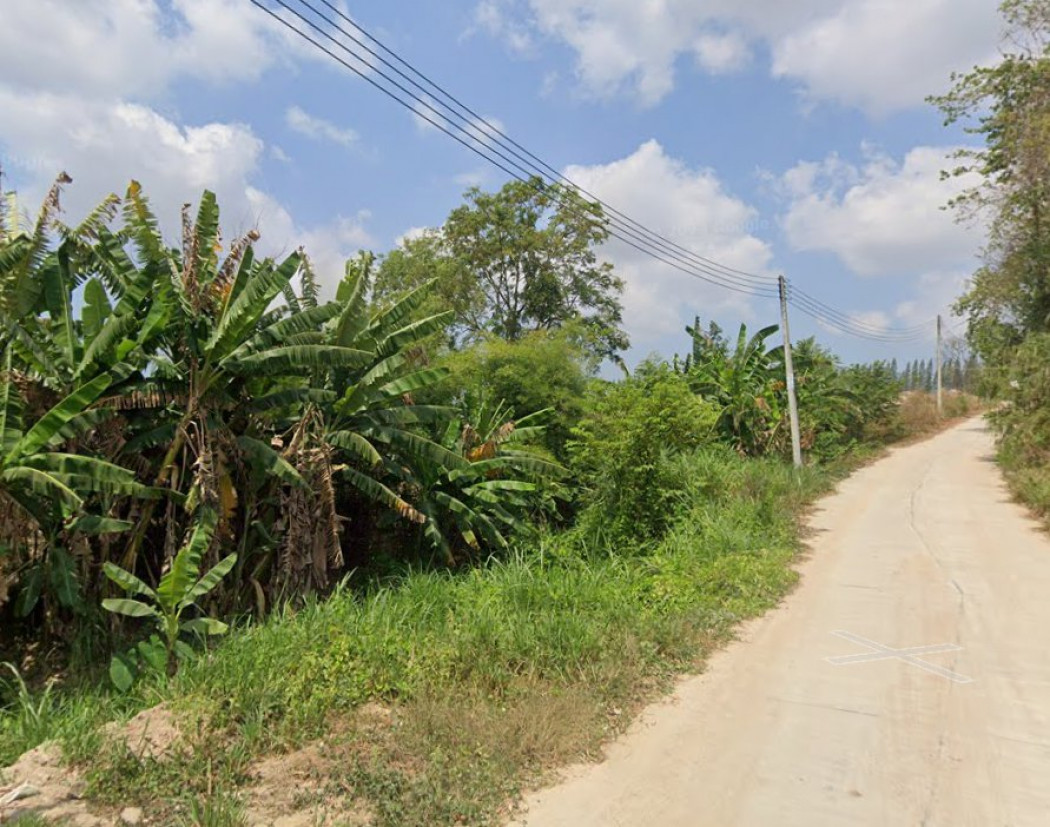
(789, 371)
(940, 386)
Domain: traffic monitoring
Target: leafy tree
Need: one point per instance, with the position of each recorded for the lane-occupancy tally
(456, 288)
(1025, 421)
(870, 397)
(133, 368)
(518, 260)
(746, 385)
(542, 370)
(1008, 105)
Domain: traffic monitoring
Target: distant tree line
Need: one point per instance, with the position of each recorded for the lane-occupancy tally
(958, 373)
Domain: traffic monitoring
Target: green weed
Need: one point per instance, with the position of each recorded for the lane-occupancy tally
(492, 674)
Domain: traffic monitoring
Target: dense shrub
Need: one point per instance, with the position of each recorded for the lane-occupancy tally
(618, 449)
(540, 371)
(1024, 423)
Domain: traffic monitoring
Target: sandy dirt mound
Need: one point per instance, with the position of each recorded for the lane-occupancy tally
(152, 733)
(289, 791)
(286, 790)
(38, 783)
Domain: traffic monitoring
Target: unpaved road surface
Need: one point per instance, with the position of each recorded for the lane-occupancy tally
(924, 552)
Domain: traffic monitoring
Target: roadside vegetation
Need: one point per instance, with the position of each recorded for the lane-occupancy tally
(398, 520)
(1007, 302)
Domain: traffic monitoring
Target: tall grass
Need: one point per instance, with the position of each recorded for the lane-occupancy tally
(544, 644)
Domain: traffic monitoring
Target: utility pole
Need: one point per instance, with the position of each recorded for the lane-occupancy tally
(789, 371)
(940, 385)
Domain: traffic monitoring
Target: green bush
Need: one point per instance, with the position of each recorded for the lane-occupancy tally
(541, 370)
(618, 451)
(1024, 423)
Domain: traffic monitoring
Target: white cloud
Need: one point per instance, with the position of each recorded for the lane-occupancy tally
(474, 178)
(883, 218)
(104, 145)
(77, 79)
(132, 47)
(875, 54)
(328, 245)
(872, 319)
(691, 208)
(424, 116)
(318, 128)
(412, 234)
(493, 18)
(883, 55)
(720, 53)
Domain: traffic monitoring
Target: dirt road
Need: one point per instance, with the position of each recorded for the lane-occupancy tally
(906, 682)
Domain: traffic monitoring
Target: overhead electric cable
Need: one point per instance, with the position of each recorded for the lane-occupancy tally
(479, 135)
(797, 296)
(797, 292)
(886, 337)
(491, 131)
(625, 235)
(845, 326)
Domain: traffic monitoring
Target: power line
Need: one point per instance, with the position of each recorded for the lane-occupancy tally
(831, 311)
(485, 139)
(502, 162)
(885, 337)
(640, 239)
(472, 120)
(851, 325)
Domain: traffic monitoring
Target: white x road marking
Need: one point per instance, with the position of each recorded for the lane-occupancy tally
(910, 655)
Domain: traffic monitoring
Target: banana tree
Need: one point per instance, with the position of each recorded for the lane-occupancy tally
(478, 504)
(45, 491)
(177, 593)
(222, 350)
(358, 425)
(746, 383)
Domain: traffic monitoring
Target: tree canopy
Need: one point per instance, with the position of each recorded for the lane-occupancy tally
(519, 260)
(1008, 106)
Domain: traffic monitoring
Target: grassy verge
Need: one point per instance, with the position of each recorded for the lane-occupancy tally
(486, 678)
(1024, 456)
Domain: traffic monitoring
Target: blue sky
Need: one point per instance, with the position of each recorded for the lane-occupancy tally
(774, 137)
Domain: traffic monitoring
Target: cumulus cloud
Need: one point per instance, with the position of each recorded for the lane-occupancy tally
(882, 218)
(879, 55)
(329, 245)
(318, 128)
(872, 53)
(692, 208)
(105, 144)
(133, 47)
(412, 234)
(492, 17)
(720, 53)
(77, 83)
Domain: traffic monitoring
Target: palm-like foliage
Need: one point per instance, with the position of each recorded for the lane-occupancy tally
(147, 385)
(476, 503)
(221, 351)
(745, 383)
(178, 591)
(831, 412)
(44, 489)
